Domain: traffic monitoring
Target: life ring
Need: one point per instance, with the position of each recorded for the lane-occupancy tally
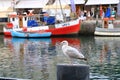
(9, 25)
(24, 29)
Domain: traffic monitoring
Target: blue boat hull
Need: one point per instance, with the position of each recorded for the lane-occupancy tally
(30, 34)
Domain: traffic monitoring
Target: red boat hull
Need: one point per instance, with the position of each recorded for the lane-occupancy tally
(65, 30)
(7, 33)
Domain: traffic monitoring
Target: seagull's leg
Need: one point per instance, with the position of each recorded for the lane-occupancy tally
(71, 61)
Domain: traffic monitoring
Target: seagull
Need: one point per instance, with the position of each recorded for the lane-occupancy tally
(71, 52)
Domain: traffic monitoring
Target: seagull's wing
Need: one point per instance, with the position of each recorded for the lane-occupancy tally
(73, 52)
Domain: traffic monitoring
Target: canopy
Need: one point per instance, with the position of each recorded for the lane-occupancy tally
(56, 5)
(5, 13)
(101, 2)
(65, 4)
(5, 8)
(69, 2)
(77, 2)
(31, 4)
(5, 4)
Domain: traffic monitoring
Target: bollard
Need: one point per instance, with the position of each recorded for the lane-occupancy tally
(72, 72)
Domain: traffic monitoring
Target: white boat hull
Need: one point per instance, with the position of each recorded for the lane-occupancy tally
(107, 32)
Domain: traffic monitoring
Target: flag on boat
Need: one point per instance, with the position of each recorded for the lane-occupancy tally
(73, 6)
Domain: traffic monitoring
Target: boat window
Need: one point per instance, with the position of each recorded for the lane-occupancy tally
(25, 18)
(13, 19)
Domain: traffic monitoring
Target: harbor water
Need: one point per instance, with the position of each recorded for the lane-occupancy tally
(36, 58)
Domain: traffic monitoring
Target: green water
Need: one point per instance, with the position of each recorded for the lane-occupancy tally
(36, 59)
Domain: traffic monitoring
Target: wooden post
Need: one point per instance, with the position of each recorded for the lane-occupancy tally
(72, 72)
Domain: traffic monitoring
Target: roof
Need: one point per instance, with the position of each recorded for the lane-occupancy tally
(31, 4)
(101, 2)
(69, 2)
(77, 2)
(5, 4)
(64, 4)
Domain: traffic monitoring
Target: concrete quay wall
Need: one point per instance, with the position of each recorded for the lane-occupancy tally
(87, 27)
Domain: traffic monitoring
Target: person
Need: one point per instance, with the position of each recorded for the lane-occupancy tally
(85, 14)
(113, 12)
(103, 15)
(82, 16)
(88, 15)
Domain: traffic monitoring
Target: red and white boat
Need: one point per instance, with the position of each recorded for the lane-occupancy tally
(42, 23)
(30, 24)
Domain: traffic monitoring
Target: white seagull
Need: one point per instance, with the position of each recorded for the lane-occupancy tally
(71, 52)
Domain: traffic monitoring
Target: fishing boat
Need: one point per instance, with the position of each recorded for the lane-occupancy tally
(107, 28)
(29, 23)
(29, 34)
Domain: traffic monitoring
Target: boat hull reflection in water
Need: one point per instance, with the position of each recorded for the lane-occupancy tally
(36, 58)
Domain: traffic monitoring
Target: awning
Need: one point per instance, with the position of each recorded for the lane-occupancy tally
(68, 1)
(77, 2)
(65, 4)
(57, 5)
(5, 4)
(5, 13)
(101, 2)
(31, 4)
(5, 8)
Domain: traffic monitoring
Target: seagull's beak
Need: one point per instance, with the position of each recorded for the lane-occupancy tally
(85, 59)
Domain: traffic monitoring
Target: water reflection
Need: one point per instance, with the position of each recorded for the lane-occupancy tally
(28, 57)
(33, 58)
(37, 58)
(109, 48)
(107, 57)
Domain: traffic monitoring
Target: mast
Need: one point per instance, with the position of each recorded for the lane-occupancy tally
(13, 3)
(62, 11)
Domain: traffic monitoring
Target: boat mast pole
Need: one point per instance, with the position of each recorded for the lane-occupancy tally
(13, 5)
(62, 11)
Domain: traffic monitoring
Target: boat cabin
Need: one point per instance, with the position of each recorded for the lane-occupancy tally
(19, 21)
(29, 20)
